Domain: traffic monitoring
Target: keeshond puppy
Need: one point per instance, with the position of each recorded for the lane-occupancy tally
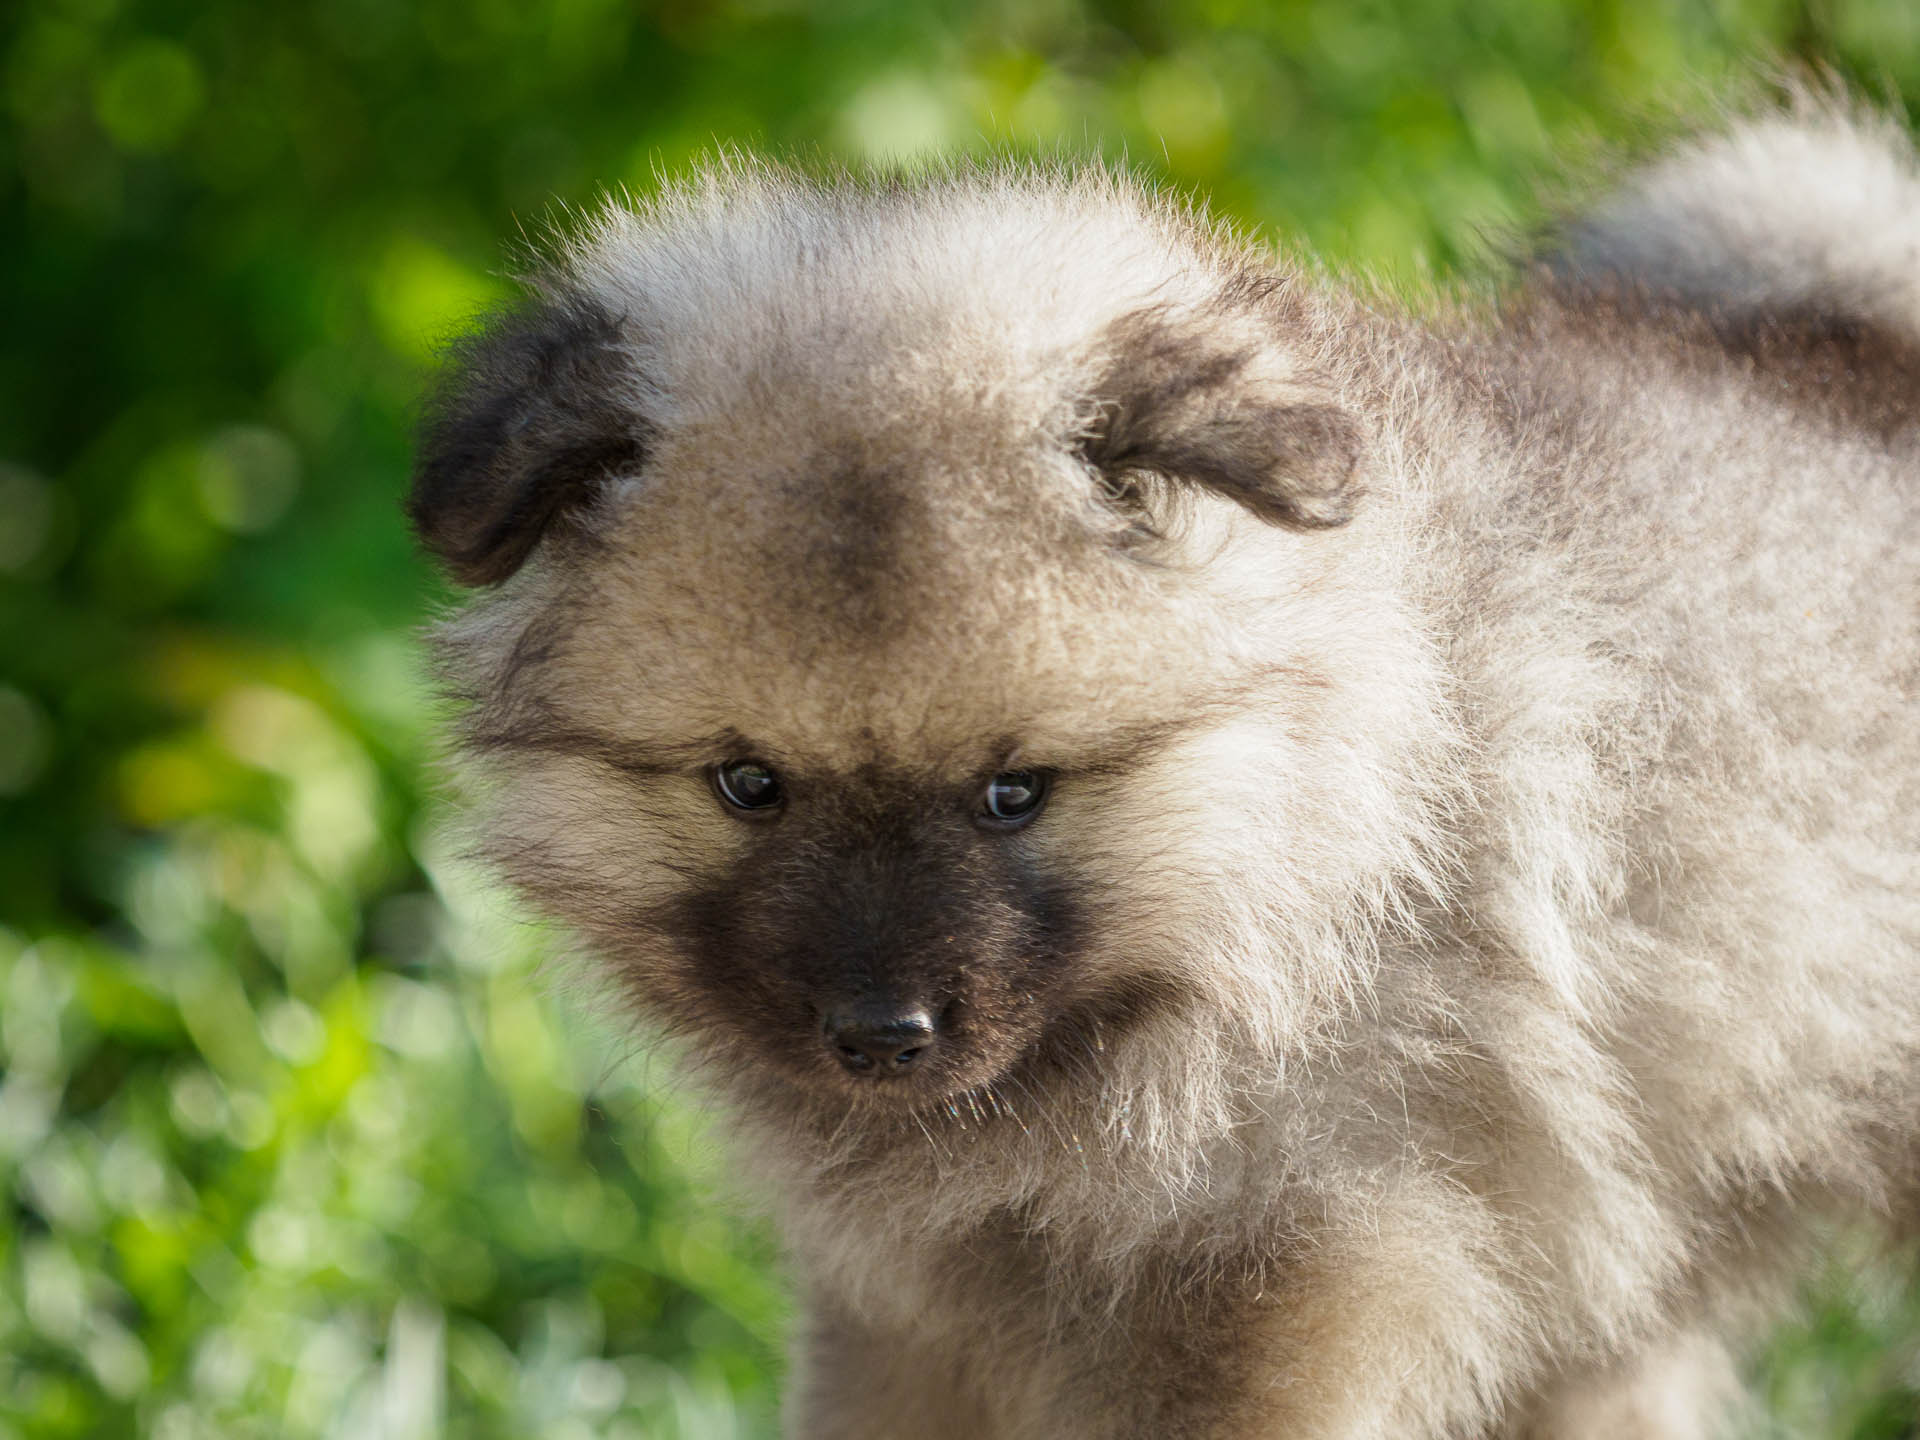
(1244, 863)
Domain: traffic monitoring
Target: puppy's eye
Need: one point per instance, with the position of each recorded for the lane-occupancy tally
(748, 785)
(1014, 797)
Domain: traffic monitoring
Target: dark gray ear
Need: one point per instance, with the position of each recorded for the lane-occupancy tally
(1184, 408)
(528, 422)
(1289, 464)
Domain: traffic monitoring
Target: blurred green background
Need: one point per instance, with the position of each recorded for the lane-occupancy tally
(295, 1137)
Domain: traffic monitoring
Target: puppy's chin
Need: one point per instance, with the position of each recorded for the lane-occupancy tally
(980, 1075)
(962, 1073)
(957, 1095)
(962, 1082)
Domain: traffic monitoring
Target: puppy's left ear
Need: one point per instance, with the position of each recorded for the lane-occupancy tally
(1294, 465)
(530, 421)
(1180, 405)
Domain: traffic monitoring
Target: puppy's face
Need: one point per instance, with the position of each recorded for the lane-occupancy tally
(882, 669)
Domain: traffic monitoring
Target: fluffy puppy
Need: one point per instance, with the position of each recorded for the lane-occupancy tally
(1246, 865)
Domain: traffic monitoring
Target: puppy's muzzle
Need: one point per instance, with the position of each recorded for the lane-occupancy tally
(880, 1040)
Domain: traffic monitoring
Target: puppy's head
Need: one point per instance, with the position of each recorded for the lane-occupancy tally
(916, 633)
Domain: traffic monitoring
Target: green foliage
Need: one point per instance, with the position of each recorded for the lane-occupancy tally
(294, 1143)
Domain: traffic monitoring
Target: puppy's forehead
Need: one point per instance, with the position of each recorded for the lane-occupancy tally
(862, 522)
(859, 606)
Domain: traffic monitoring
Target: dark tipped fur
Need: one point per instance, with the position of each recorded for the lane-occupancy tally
(1829, 367)
(533, 421)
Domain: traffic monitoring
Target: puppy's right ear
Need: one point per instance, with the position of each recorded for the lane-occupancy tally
(533, 415)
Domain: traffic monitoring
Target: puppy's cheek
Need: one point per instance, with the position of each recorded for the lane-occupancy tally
(598, 849)
(1218, 875)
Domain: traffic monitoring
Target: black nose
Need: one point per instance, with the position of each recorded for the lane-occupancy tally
(879, 1040)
